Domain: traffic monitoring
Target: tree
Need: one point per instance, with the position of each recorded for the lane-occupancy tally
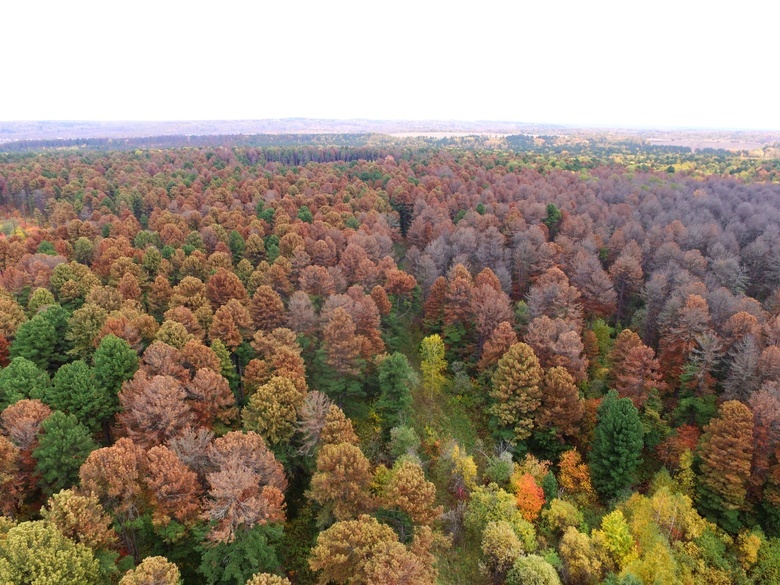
(74, 391)
(160, 359)
(337, 428)
(154, 409)
(553, 220)
(726, 450)
(247, 487)
(556, 342)
(552, 296)
(500, 547)
(159, 295)
(173, 488)
(433, 364)
(273, 410)
(581, 564)
(575, 475)
(35, 340)
(433, 308)
(616, 537)
(560, 515)
(36, 553)
(396, 377)
(115, 475)
(39, 299)
(530, 497)
(128, 287)
(624, 342)
(230, 324)
(173, 333)
(515, 392)
(493, 504)
(5, 351)
(22, 422)
(253, 550)
(617, 447)
(363, 552)
(638, 374)
(85, 325)
(63, 446)
(153, 571)
(267, 309)
(210, 398)
(598, 294)
(627, 275)
(341, 481)
(301, 317)
(22, 379)
(10, 488)
(115, 363)
(80, 518)
(11, 317)
(743, 378)
(223, 286)
(409, 491)
(490, 306)
(561, 407)
(532, 570)
(680, 337)
(341, 344)
(311, 420)
(499, 342)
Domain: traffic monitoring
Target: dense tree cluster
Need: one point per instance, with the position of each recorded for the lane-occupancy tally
(242, 365)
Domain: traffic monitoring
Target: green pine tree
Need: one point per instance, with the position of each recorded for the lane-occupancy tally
(22, 379)
(617, 447)
(234, 563)
(64, 445)
(75, 391)
(115, 362)
(35, 341)
(396, 378)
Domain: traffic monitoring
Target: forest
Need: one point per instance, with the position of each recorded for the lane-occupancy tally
(409, 363)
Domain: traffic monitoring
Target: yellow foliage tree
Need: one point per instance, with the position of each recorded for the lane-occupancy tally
(433, 364)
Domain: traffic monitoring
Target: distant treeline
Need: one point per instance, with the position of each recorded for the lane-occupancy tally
(183, 141)
(336, 143)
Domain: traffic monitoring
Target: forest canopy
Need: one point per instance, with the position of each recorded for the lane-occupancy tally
(389, 363)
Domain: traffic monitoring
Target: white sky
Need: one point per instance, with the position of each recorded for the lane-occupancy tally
(683, 63)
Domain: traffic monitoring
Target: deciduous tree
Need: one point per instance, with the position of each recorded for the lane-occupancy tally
(341, 345)
(247, 487)
(154, 409)
(515, 392)
(561, 407)
(267, 309)
(273, 410)
(409, 491)
(726, 450)
(173, 488)
(502, 338)
(80, 518)
(36, 552)
(341, 480)
(153, 571)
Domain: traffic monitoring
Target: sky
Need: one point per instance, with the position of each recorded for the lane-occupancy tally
(682, 63)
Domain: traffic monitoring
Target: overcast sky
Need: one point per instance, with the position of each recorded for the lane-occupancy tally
(662, 63)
